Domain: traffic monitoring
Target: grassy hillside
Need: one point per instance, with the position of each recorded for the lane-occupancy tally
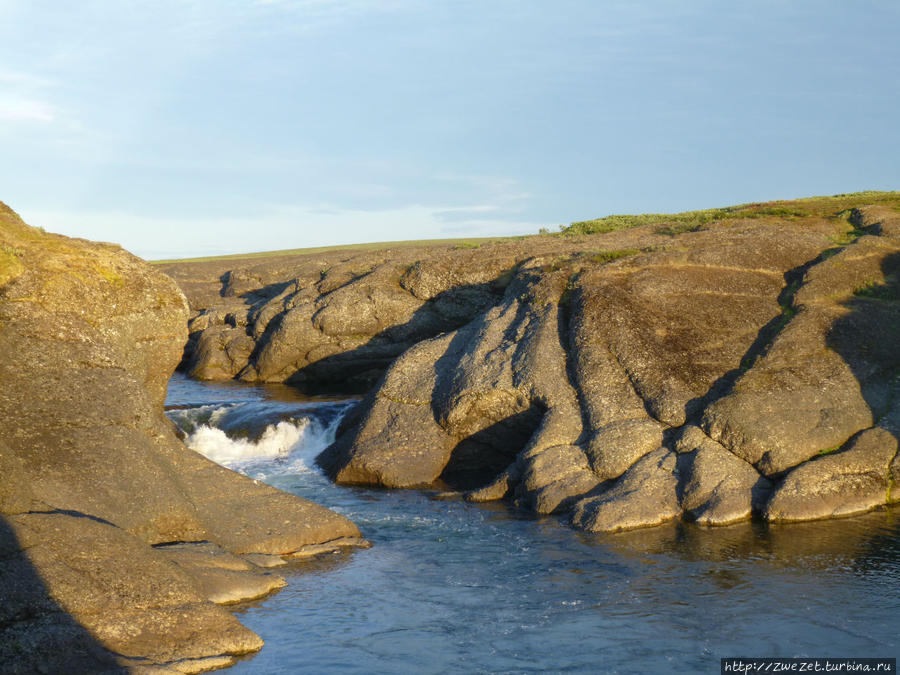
(835, 206)
(674, 223)
(472, 242)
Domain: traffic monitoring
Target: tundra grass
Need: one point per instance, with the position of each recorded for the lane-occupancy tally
(833, 207)
(473, 242)
(689, 221)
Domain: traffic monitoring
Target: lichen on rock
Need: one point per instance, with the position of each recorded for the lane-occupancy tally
(92, 476)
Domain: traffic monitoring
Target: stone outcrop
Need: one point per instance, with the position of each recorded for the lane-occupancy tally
(343, 316)
(742, 365)
(696, 381)
(96, 490)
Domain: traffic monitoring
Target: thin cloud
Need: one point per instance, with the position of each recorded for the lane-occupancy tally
(465, 214)
(308, 14)
(22, 79)
(26, 110)
(500, 189)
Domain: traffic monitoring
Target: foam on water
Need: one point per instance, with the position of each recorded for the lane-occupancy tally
(250, 436)
(276, 441)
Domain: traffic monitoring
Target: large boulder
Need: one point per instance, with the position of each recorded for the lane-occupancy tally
(647, 494)
(682, 380)
(465, 404)
(853, 480)
(94, 482)
(832, 366)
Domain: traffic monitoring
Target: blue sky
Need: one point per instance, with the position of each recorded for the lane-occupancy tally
(198, 127)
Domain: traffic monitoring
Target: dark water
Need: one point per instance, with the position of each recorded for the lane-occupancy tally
(451, 587)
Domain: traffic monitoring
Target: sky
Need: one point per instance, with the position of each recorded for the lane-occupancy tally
(182, 128)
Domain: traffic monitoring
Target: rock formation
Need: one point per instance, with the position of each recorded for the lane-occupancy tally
(708, 368)
(341, 317)
(118, 544)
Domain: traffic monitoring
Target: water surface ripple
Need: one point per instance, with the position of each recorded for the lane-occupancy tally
(451, 587)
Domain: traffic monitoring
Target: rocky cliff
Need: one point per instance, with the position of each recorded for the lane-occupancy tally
(119, 546)
(707, 366)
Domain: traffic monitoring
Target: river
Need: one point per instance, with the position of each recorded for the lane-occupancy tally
(451, 587)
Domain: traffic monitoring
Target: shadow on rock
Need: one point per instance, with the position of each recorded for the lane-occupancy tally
(479, 458)
(793, 278)
(234, 284)
(861, 473)
(868, 339)
(356, 370)
(36, 634)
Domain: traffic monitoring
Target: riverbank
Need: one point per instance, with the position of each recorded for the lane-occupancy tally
(708, 366)
(120, 547)
(459, 587)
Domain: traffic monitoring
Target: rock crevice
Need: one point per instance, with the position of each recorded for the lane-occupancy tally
(702, 389)
(746, 367)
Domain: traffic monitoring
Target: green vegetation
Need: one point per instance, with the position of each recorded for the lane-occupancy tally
(692, 225)
(831, 252)
(10, 265)
(505, 279)
(850, 235)
(559, 263)
(110, 275)
(828, 451)
(835, 206)
(876, 291)
(788, 310)
(688, 219)
(576, 261)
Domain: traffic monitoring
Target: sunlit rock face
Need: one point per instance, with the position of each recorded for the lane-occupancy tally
(744, 362)
(93, 479)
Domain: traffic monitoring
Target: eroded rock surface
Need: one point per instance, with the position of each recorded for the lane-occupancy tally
(695, 381)
(338, 319)
(92, 476)
(708, 373)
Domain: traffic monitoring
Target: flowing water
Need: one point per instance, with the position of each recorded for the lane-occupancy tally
(454, 587)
